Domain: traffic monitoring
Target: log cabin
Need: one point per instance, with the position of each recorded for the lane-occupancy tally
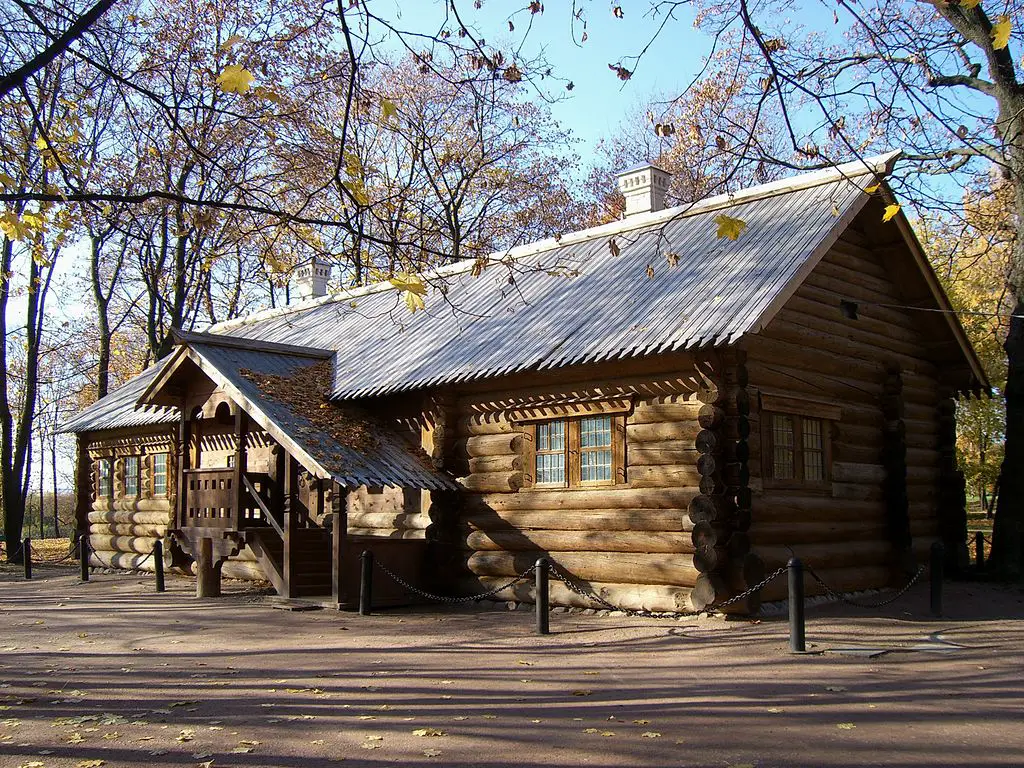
(665, 413)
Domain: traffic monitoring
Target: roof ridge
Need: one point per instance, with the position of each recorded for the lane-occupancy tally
(880, 165)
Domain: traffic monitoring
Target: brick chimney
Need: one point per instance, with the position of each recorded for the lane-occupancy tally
(644, 188)
(311, 278)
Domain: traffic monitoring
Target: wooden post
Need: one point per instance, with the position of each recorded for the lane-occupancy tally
(290, 526)
(241, 460)
(207, 572)
(184, 464)
(339, 534)
(83, 488)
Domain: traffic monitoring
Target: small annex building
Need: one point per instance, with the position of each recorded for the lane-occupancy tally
(665, 413)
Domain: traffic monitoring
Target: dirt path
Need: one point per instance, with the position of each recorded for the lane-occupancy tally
(111, 671)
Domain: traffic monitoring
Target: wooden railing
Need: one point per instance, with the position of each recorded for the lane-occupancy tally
(257, 487)
(210, 499)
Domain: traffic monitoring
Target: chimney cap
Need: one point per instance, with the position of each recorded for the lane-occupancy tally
(644, 188)
(311, 277)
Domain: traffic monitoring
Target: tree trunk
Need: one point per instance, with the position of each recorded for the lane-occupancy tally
(1008, 528)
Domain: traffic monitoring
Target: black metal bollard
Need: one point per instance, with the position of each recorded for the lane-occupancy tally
(541, 576)
(26, 554)
(797, 634)
(83, 556)
(158, 564)
(979, 550)
(937, 562)
(366, 583)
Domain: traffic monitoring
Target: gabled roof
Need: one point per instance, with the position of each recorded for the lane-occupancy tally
(524, 314)
(118, 409)
(236, 367)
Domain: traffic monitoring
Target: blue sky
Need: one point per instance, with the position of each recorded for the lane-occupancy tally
(599, 101)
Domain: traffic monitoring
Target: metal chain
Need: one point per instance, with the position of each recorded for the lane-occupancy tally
(563, 577)
(18, 551)
(878, 604)
(70, 553)
(454, 600)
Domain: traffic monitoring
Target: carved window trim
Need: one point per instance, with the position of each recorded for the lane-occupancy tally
(573, 452)
(800, 426)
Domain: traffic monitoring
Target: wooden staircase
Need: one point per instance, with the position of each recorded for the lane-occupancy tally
(308, 569)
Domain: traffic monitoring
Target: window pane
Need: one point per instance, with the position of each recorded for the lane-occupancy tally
(551, 468)
(551, 436)
(813, 449)
(595, 449)
(103, 470)
(595, 466)
(131, 476)
(596, 432)
(160, 474)
(782, 447)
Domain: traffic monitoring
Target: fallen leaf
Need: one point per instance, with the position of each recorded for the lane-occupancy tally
(836, 688)
(431, 752)
(641, 722)
(582, 692)
(607, 733)
(429, 732)
(591, 730)
(650, 735)
(846, 726)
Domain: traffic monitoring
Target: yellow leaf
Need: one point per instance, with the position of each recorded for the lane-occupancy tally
(353, 165)
(429, 732)
(13, 227)
(873, 188)
(1001, 33)
(6, 181)
(358, 191)
(91, 763)
(234, 78)
(890, 212)
(232, 41)
(729, 226)
(388, 110)
(414, 301)
(846, 726)
(404, 281)
(969, 3)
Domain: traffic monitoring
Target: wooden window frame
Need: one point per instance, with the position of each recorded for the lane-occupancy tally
(573, 452)
(768, 454)
(109, 464)
(152, 473)
(138, 476)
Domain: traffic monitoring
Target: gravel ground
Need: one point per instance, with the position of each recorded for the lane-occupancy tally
(109, 673)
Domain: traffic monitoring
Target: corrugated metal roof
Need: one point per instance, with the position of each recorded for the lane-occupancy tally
(392, 462)
(528, 316)
(118, 408)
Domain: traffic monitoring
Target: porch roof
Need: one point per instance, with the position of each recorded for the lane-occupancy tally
(241, 370)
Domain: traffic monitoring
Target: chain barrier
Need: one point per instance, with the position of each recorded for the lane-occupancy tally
(56, 561)
(860, 604)
(589, 594)
(18, 551)
(453, 600)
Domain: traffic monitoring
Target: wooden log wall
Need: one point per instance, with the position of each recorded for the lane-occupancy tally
(810, 350)
(389, 512)
(632, 543)
(122, 530)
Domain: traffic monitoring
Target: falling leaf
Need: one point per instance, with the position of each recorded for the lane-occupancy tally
(617, 12)
(413, 301)
(620, 71)
(846, 726)
(729, 226)
(388, 110)
(873, 188)
(890, 212)
(1001, 33)
(969, 4)
(650, 735)
(429, 732)
(234, 78)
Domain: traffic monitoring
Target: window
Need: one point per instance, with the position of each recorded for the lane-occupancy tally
(567, 453)
(798, 450)
(104, 486)
(159, 474)
(131, 476)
